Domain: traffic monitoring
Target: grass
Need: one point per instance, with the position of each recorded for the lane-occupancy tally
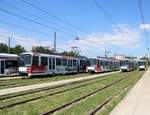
(86, 106)
(34, 80)
(42, 105)
(55, 88)
(117, 99)
(46, 92)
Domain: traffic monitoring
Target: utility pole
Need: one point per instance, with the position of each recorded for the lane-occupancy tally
(55, 42)
(9, 45)
(148, 56)
(105, 53)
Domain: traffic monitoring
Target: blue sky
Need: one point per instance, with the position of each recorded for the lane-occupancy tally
(84, 14)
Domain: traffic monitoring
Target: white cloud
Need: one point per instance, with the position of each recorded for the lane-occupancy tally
(145, 26)
(128, 38)
(25, 41)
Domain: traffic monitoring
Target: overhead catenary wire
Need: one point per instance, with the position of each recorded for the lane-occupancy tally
(110, 19)
(46, 26)
(31, 14)
(107, 15)
(22, 27)
(143, 22)
(54, 16)
(28, 41)
(31, 41)
(28, 29)
(36, 22)
(17, 38)
(26, 12)
(58, 18)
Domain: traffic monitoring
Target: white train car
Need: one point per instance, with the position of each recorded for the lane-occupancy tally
(45, 64)
(109, 64)
(8, 64)
(94, 65)
(102, 64)
(70, 64)
(142, 65)
(128, 65)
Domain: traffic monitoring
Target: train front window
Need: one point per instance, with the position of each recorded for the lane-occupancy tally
(141, 63)
(26, 58)
(92, 62)
(124, 62)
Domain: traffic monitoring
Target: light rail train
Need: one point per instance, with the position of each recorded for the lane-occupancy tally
(9, 64)
(101, 64)
(33, 63)
(45, 64)
(142, 65)
(128, 65)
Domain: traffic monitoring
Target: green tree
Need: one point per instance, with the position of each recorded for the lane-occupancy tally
(3, 48)
(17, 49)
(69, 53)
(42, 49)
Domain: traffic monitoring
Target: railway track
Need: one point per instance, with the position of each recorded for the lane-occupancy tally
(81, 98)
(5, 84)
(104, 103)
(91, 81)
(53, 87)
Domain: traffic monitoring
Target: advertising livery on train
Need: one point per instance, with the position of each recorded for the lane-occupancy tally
(101, 64)
(127, 65)
(44, 64)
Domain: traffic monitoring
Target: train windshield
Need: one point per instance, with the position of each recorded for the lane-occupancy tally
(124, 62)
(142, 63)
(91, 62)
(26, 58)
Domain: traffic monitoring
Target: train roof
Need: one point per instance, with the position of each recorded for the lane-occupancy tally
(103, 58)
(48, 55)
(39, 54)
(69, 57)
(142, 60)
(8, 56)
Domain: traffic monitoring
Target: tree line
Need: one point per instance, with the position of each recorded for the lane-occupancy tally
(40, 49)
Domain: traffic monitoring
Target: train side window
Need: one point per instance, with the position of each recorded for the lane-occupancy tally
(81, 62)
(69, 63)
(53, 63)
(98, 62)
(64, 62)
(44, 61)
(35, 60)
(101, 63)
(50, 63)
(58, 61)
(11, 63)
(74, 62)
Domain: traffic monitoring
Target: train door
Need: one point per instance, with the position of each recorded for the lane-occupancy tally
(2, 65)
(54, 65)
(51, 65)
